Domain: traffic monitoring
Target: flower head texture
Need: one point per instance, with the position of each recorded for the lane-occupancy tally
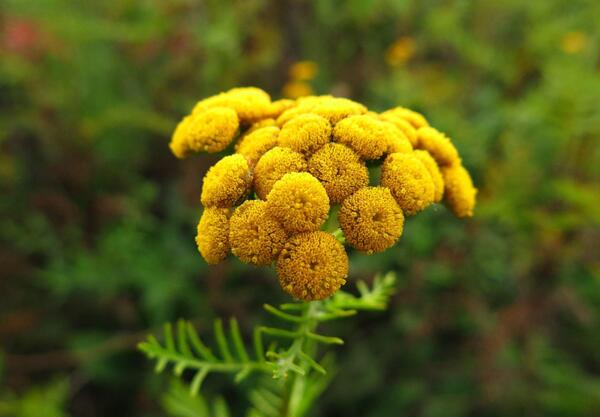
(279, 106)
(299, 202)
(417, 120)
(331, 108)
(405, 127)
(409, 181)
(460, 192)
(305, 133)
(249, 103)
(438, 145)
(434, 171)
(312, 266)
(212, 236)
(273, 165)
(340, 171)
(254, 236)
(208, 131)
(371, 219)
(227, 182)
(256, 143)
(368, 136)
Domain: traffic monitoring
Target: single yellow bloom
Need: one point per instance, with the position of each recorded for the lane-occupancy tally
(409, 181)
(405, 127)
(438, 145)
(305, 133)
(573, 42)
(460, 195)
(340, 171)
(417, 120)
(296, 89)
(256, 143)
(250, 103)
(303, 70)
(368, 136)
(434, 171)
(209, 131)
(400, 51)
(371, 219)
(227, 182)
(212, 236)
(273, 165)
(331, 108)
(312, 266)
(299, 202)
(255, 237)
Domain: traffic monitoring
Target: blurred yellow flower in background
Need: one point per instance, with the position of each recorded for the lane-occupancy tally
(401, 51)
(296, 89)
(573, 42)
(303, 70)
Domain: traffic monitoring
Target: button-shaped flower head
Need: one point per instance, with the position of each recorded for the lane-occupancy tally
(227, 182)
(368, 136)
(255, 237)
(331, 108)
(438, 145)
(254, 144)
(371, 219)
(249, 103)
(417, 120)
(434, 171)
(305, 133)
(312, 266)
(460, 193)
(212, 235)
(299, 202)
(340, 171)
(409, 181)
(208, 131)
(273, 165)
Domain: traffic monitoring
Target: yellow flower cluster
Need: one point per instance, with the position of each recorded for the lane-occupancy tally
(297, 162)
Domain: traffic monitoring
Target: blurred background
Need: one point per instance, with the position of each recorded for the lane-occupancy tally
(495, 316)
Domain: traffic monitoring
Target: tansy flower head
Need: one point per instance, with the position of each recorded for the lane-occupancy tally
(438, 145)
(434, 171)
(299, 202)
(331, 108)
(460, 193)
(305, 133)
(405, 127)
(409, 181)
(255, 237)
(417, 120)
(250, 103)
(212, 235)
(279, 106)
(312, 266)
(255, 144)
(371, 219)
(273, 165)
(303, 70)
(339, 170)
(400, 51)
(209, 131)
(366, 135)
(226, 182)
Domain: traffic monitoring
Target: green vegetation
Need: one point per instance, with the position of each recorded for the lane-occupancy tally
(496, 316)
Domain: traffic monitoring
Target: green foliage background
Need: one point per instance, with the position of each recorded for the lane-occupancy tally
(495, 316)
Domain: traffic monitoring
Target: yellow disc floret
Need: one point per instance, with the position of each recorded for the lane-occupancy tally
(254, 236)
(371, 219)
(305, 133)
(273, 165)
(227, 182)
(299, 202)
(331, 108)
(312, 266)
(256, 143)
(368, 136)
(250, 103)
(409, 181)
(434, 171)
(340, 171)
(405, 127)
(438, 145)
(417, 120)
(209, 131)
(213, 234)
(460, 193)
